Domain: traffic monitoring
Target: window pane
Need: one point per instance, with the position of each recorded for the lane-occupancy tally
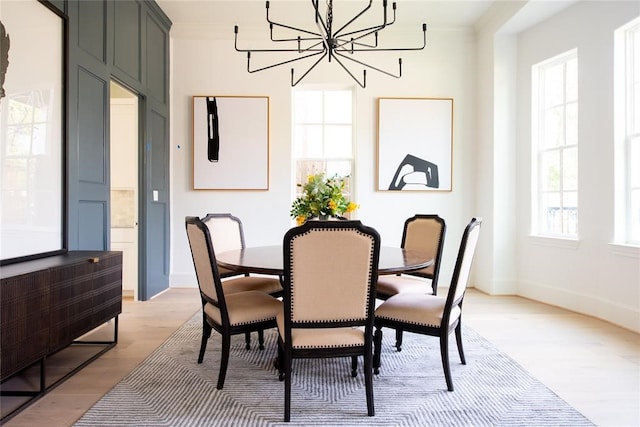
(550, 171)
(338, 141)
(304, 168)
(572, 80)
(553, 85)
(340, 168)
(570, 212)
(553, 129)
(308, 107)
(308, 141)
(570, 169)
(338, 107)
(571, 131)
(552, 215)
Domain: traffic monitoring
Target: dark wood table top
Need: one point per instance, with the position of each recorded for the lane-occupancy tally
(269, 260)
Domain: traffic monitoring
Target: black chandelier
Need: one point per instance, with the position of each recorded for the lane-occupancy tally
(332, 44)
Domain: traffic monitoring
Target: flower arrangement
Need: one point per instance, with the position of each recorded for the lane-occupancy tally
(321, 197)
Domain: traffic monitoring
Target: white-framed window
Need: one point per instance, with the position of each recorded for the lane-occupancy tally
(627, 124)
(555, 146)
(323, 133)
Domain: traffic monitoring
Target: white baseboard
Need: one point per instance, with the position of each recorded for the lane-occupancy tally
(623, 316)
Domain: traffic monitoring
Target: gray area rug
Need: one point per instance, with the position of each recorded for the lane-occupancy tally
(170, 389)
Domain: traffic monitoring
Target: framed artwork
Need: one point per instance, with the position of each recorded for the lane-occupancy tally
(33, 80)
(415, 144)
(230, 142)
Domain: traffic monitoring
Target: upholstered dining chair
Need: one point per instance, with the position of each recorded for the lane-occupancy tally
(421, 232)
(423, 313)
(227, 234)
(226, 313)
(330, 269)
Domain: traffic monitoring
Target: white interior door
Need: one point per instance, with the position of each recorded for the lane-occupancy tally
(124, 184)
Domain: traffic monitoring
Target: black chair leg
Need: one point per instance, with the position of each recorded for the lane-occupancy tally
(261, 339)
(287, 388)
(247, 340)
(368, 382)
(377, 348)
(206, 334)
(444, 353)
(280, 362)
(224, 360)
(354, 366)
(459, 342)
(399, 339)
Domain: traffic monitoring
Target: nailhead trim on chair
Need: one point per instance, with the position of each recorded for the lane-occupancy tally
(292, 278)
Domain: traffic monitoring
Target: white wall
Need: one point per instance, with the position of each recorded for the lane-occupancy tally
(591, 275)
(487, 74)
(205, 63)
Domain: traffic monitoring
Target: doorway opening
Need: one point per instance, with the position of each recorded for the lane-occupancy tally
(124, 142)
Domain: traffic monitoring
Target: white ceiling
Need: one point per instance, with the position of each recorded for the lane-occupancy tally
(435, 13)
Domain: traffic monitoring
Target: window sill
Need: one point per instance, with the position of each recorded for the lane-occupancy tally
(554, 242)
(625, 250)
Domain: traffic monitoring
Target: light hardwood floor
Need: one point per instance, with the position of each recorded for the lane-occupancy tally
(593, 365)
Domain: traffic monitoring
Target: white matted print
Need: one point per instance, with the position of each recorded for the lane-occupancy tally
(230, 143)
(415, 144)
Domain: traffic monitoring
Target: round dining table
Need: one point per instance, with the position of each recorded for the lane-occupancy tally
(269, 260)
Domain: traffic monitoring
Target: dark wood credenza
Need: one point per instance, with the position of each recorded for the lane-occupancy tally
(47, 304)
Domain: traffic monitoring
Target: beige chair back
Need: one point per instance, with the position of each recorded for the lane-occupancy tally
(330, 269)
(425, 233)
(203, 259)
(226, 234)
(464, 261)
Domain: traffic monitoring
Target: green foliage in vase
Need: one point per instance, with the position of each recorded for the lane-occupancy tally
(321, 196)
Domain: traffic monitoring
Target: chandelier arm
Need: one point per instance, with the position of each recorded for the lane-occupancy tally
(310, 49)
(318, 38)
(340, 44)
(289, 27)
(367, 31)
(384, 5)
(371, 66)
(306, 72)
(324, 53)
(362, 84)
(322, 25)
(379, 49)
(374, 28)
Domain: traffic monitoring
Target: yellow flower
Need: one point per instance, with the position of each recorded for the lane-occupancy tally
(321, 196)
